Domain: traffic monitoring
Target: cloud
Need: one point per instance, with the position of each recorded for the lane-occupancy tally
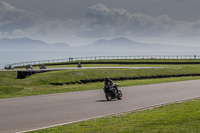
(105, 16)
(98, 21)
(12, 18)
(120, 22)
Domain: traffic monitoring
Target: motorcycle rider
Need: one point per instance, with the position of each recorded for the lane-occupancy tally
(79, 65)
(29, 66)
(110, 84)
(42, 66)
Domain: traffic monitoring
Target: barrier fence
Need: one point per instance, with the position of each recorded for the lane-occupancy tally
(70, 59)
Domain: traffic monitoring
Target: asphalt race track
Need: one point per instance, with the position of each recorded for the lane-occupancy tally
(69, 68)
(35, 112)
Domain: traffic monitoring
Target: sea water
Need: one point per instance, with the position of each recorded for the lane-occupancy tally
(10, 57)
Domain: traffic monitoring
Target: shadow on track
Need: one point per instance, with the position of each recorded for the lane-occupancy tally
(101, 101)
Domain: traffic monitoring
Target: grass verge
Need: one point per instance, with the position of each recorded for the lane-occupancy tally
(26, 88)
(174, 118)
(40, 84)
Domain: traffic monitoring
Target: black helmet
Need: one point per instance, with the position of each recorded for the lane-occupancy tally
(107, 78)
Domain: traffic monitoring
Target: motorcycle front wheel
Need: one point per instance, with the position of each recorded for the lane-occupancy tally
(119, 96)
(108, 96)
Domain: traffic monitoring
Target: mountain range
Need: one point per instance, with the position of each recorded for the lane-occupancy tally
(121, 43)
(29, 44)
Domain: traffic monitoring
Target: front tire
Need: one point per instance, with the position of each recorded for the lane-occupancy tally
(119, 96)
(108, 96)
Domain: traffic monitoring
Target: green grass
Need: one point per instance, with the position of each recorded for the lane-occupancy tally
(174, 118)
(40, 84)
(84, 74)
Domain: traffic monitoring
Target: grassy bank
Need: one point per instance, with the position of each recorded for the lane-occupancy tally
(84, 74)
(39, 84)
(174, 118)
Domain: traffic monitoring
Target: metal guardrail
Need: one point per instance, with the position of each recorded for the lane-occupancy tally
(104, 58)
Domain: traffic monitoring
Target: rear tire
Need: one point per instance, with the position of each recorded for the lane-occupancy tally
(108, 96)
(119, 96)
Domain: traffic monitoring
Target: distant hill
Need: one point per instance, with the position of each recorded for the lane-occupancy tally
(123, 43)
(29, 44)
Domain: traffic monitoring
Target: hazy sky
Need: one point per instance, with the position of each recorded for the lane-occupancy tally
(80, 22)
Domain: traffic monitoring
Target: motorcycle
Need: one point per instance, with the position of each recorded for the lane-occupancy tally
(79, 65)
(42, 67)
(9, 67)
(112, 92)
(29, 67)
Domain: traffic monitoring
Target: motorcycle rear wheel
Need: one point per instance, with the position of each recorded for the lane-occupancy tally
(108, 96)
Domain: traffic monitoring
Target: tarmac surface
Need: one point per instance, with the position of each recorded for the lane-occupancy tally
(38, 112)
(69, 68)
